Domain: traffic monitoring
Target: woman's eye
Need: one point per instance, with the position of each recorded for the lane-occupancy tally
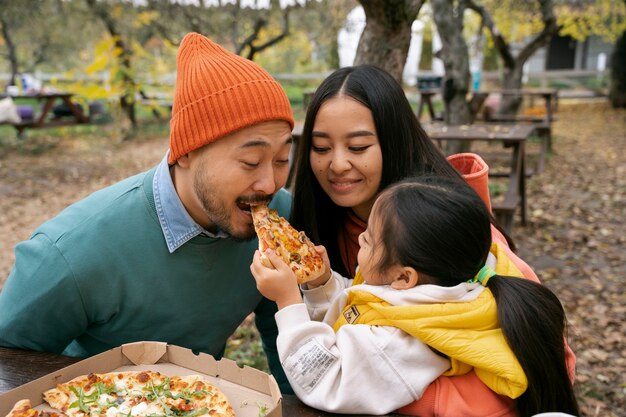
(319, 149)
(358, 148)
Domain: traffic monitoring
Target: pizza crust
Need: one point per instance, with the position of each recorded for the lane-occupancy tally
(23, 408)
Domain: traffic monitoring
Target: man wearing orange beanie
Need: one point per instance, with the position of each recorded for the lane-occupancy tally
(164, 255)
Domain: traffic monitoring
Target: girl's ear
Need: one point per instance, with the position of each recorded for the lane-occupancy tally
(405, 277)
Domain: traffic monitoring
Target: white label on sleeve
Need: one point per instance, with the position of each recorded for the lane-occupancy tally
(309, 364)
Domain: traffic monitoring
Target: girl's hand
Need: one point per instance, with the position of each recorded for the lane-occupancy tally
(326, 276)
(279, 284)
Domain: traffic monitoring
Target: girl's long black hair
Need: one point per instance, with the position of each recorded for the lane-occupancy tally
(405, 146)
(441, 229)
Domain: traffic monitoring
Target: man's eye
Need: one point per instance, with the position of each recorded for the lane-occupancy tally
(250, 164)
(282, 162)
(319, 149)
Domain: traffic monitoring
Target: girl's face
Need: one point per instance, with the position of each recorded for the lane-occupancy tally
(371, 251)
(345, 154)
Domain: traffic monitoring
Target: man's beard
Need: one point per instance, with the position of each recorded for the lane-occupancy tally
(217, 211)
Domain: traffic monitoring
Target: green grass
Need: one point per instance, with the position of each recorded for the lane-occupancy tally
(244, 347)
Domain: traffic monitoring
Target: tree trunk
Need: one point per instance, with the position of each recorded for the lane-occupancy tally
(512, 80)
(617, 92)
(387, 35)
(12, 53)
(454, 53)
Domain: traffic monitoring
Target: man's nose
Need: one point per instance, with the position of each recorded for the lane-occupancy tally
(266, 182)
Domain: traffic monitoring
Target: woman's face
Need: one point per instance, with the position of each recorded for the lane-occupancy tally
(345, 154)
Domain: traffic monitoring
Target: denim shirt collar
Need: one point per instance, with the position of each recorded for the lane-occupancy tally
(177, 225)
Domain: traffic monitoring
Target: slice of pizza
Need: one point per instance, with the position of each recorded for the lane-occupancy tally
(294, 247)
(138, 394)
(24, 408)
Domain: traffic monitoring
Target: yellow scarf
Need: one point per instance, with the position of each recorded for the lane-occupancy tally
(468, 333)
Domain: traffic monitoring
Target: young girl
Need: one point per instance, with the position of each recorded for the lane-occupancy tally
(425, 302)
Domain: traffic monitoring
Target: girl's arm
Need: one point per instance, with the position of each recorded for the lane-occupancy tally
(359, 369)
(319, 299)
(280, 285)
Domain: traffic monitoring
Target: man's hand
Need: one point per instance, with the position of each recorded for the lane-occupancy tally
(278, 284)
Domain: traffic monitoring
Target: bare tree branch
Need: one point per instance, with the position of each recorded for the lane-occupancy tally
(498, 40)
(550, 28)
(258, 26)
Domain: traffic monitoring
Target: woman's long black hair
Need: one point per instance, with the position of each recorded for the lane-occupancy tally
(406, 150)
(405, 147)
(441, 229)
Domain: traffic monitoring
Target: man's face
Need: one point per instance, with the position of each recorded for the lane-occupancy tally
(220, 180)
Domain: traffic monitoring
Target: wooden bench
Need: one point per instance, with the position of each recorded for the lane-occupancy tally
(510, 135)
(42, 119)
(543, 124)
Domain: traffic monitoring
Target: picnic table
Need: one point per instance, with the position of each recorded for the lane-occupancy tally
(18, 367)
(41, 118)
(542, 122)
(510, 135)
(426, 100)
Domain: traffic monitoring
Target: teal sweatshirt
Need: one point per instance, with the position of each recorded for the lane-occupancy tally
(100, 274)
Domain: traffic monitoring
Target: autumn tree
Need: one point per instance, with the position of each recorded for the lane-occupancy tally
(109, 13)
(387, 34)
(35, 35)
(321, 23)
(606, 19)
(541, 15)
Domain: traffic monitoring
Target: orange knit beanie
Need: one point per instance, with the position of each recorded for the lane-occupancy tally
(217, 93)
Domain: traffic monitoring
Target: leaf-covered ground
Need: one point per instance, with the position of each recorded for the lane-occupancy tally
(576, 242)
(575, 239)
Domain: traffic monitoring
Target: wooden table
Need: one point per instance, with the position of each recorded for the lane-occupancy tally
(543, 123)
(18, 367)
(47, 101)
(426, 100)
(510, 135)
(549, 96)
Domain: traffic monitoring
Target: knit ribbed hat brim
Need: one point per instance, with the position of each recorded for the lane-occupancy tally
(218, 93)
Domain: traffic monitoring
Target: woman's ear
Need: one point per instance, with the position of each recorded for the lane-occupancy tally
(405, 278)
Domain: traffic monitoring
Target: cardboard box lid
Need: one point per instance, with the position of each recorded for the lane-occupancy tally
(248, 389)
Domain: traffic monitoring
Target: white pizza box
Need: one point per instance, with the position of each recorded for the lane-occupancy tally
(248, 390)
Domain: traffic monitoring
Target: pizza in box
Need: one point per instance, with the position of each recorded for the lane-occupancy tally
(131, 394)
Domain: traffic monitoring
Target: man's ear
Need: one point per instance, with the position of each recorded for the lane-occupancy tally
(183, 161)
(405, 277)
